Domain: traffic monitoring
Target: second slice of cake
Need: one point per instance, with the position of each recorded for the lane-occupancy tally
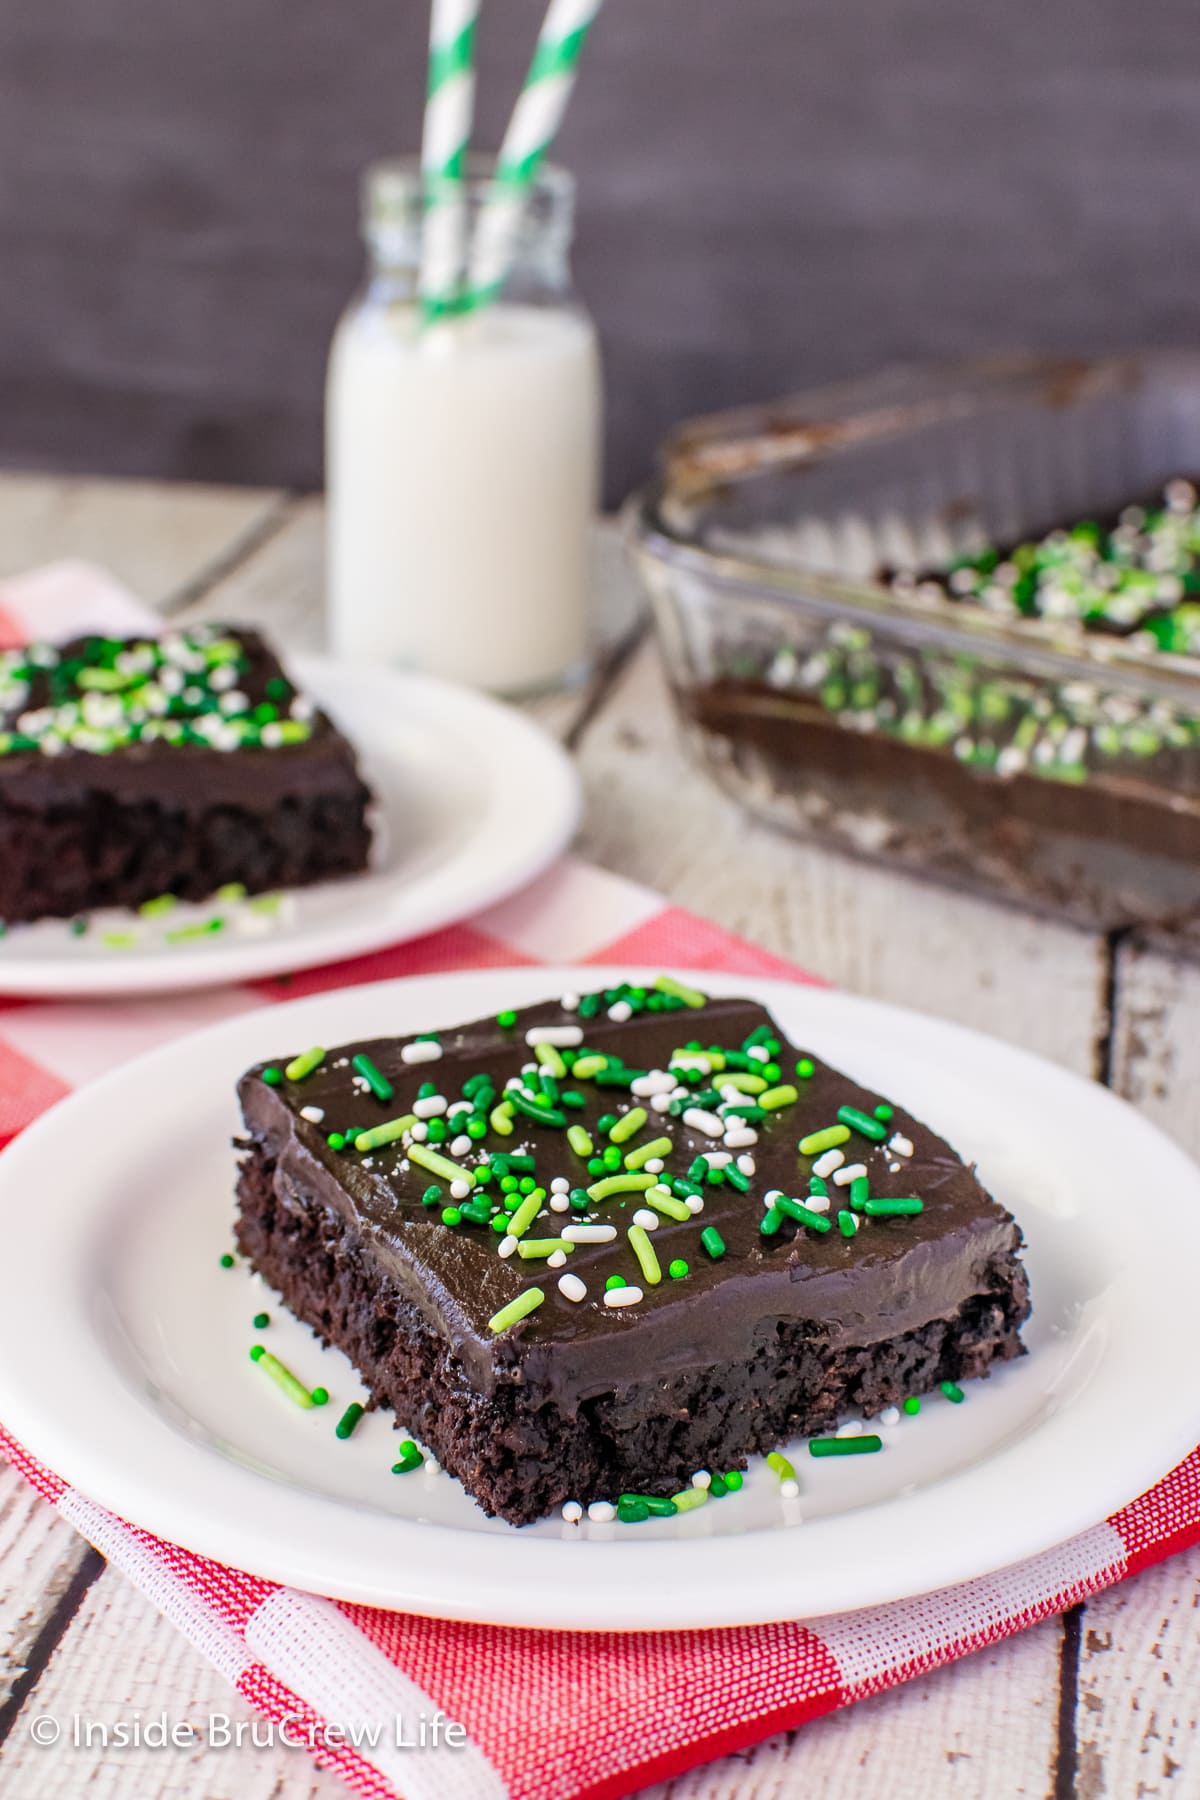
(591, 1246)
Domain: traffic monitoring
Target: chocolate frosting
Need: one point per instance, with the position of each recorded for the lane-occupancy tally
(893, 1276)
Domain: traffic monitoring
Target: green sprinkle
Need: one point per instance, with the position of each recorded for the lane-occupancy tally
(655, 1506)
(847, 1224)
(227, 1261)
(670, 1208)
(689, 1498)
(732, 1479)
(429, 1159)
(952, 1391)
(677, 1268)
(616, 1281)
(884, 1208)
(517, 1309)
(912, 1405)
(632, 1512)
(782, 1467)
(379, 1135)
(526, 1213)
(806, 1068)
(629, 1125)
(818, 1141)
(666, 984)
(336, 1141)
(375, 1079)
(718, 1487)
(185, 933)
(713, 1242)
(643, 1249)
(432, 1195)
(538, 1247)
(349, 1419)
(579, 1140)
(302, 1066)
(866, 1445)
(660, 1147)
(451, 1215)
(883, 1112)
(776, 1097)
(862, 1122)
(818, 1187)
(261, 1321)
(541, 1115)
(621, 1184)
(281, 1375)
(320, 1396)
(860, 1192)
(735, 1178)
(506, 1020)
(409, 1458)
(803, 1215)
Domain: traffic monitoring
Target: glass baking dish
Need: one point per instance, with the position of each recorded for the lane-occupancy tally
(1043, 764)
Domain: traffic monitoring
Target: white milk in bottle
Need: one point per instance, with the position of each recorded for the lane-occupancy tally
(463, 458)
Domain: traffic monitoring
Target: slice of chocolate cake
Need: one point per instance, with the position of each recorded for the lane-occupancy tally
(594, 1245)
(137, 767)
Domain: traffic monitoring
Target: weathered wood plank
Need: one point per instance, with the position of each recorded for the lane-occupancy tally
(153, 537)
(653, 816)
(1156, 1038)
(1139, 1687)
(39, 1553)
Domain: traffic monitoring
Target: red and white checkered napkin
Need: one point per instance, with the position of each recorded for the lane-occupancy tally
(547, 1715)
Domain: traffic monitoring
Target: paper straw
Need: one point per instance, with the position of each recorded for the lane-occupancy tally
(532, 128)
(449, 109)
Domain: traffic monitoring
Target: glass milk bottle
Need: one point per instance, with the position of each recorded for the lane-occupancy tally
(462, 456)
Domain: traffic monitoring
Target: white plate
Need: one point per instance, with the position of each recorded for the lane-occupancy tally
(140, 1391)
(453, 772)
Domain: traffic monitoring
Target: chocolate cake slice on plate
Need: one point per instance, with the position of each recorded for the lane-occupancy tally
(592, 1246)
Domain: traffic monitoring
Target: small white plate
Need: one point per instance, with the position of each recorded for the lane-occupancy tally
(124, 1346)
(474, 800)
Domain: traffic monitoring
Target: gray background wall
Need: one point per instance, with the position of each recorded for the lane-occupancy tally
(773, 192)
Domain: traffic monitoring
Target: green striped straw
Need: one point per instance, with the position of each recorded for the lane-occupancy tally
(449, 109)
(534, 124)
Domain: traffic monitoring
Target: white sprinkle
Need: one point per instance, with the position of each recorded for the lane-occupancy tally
(893, 1168)
(901, 1145)
(430, 1107)
(649, 1221)
(758, 1053)
(716, 1159)
(556, 1260)
(572, 1512)
(571, 1287)
(705, 1122)
(694, 1203)
(461, 1146)
(658, 1081)
(514, 1081)
(851, 1428)
(569, 1002)
(851, 1172)
(529, 1068)
(789, 1489)
(702, 1479)
(618, 1013)
(459, 1190)
(561, 1037)
(771, 1196)
(232, 702)
(602, 1511)
(624, 1296)
(507, 1245)
(746, 1164)
(425, 1051)
(458, 1106)
(314, 1114)
(560, 1185)
(825, 1165)
(817, 1202)
(588, 1234)
(560, 1203)
(419, 1133)
(660, 1102)
(890, 1415)
(740, 1137)
(654, 1165)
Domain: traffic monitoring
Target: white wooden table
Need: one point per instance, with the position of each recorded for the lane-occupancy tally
(1100, 1703)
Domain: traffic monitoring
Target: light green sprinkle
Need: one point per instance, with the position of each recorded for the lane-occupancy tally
(184, 934)
(665, 1203)
(266, 903)
(621, 1184)
(549, 1059)
(526, 1213)
(745, 1084)
(307, 1064)
(281, 1375)
(666, 984)
(234, 890)
(531, 1247)
(579, 1140)
(501, 1119)
(437, 1165)
(829, 1139)
(153, 909)
(629, 1124)
(660, 1147)
(776, 1097)
(379, 1135)
(690, 1499)
(783, 1468)
(587, 1066)
(520, 1308)
(118, 940)
(643, 1249)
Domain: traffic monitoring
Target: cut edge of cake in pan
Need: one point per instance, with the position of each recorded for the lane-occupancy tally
(590, 1247)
